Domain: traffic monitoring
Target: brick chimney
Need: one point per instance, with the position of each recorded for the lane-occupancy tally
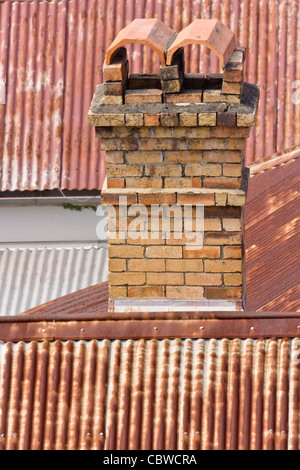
(175, 139)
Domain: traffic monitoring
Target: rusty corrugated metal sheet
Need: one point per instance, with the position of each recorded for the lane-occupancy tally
(169, 394)
(32, 38)
(92, 300)
(51, 58)
(272, 234)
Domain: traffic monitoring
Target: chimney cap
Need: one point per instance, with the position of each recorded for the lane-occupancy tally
(211, 33)
(149, 32)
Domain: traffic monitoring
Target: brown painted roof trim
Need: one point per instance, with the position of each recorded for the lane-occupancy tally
(276, 160)
(120, 316)
(147, 329)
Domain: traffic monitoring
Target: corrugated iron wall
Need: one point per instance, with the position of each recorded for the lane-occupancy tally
(169, 394)
(51, 55)
(32, 276)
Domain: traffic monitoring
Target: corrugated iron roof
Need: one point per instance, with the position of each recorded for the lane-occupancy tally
(90, 302)
(272, 234)
(168, 394)
(51, 60)
(31, 276)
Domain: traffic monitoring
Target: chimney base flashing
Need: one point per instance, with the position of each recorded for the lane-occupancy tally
(164, 305)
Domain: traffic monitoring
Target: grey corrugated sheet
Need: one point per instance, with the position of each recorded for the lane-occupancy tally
(51, 57)
(32, 276)
(168, 394)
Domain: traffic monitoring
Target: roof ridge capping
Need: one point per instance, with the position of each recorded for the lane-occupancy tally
(275, 160)
(165, 42)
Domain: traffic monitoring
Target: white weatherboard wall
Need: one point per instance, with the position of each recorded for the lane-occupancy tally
(22, 224)
(47, 252)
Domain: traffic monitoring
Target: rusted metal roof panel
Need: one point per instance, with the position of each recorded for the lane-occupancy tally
(51, 59)
(31, 276)
(83, 163)
(272, 234)
(91, 302)
(168, 394)
(32, 38)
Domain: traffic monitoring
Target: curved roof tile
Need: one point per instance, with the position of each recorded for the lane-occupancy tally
(210, 33)
(148, 32)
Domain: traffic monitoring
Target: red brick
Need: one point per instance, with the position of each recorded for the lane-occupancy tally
(233, 279)
(165, 279)
(205, 252)
(222, 238)
(185, 96)
(158, 144)
(190, 198)
(151, 120)
(230, 169)
(169, 120)
(184, 265)
(145, 291)
(116, 71)
(231, 88)
(139, 157)
(163, 170)
(117, 292)
(230, 132)
(179, 182)
(223, 293)
(233, 252)
(123, 170)
(185, 293)
(125, 251)
(147, 265)
(222, 266)
(114, 157)
(143, 96)
(229, 156)
(222, 183)
(233, 73)
(195, 169)
(117, 265)
(236, 144)
(114, 198)
(231, 225)
(164, 252)
(183, 157)
(113, 100)
(115, 182)
(157, 198)
(144, 182)
(119, 144)
(203, 279)
(113, 88)
(121, 279)
(226, 119)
